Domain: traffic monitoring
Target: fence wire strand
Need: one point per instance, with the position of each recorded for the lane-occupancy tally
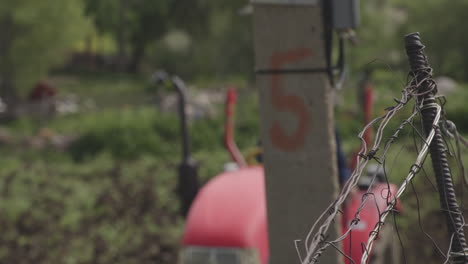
(318, 240)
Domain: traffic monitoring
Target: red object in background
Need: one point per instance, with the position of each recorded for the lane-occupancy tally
(375, 205)
(42, 90)
(367, 100)
(230, 211)
(229, 142)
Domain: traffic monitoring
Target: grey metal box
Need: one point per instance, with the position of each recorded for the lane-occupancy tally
(345, 14)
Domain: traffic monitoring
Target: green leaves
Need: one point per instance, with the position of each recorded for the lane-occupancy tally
(104, 212)
(41, 32)
(441, 27)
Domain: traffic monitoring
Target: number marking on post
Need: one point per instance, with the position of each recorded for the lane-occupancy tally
(284, 102)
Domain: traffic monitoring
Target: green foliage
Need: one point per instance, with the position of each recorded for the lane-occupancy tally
(228, 48)
(104, 212)
(443, 34)
(219, 39)
(384, 23)
(125, 134)
(456, 109)
(378, 36)
(36, 36)
(130, 133)
(136, 24)
(118, 204)
(247, 120)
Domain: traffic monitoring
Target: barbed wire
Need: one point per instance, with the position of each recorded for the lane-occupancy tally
(312, 246)
(317, 239)
(413, 171)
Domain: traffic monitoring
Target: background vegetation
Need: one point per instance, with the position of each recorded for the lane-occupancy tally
(109, 195)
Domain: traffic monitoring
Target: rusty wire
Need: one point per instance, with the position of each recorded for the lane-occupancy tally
(316, 241)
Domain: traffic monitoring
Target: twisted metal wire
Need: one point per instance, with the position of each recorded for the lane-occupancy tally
(413, 171)
(422, 88)
(427, 89)
(316, 244)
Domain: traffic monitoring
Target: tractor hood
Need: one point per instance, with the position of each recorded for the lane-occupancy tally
(230, 211)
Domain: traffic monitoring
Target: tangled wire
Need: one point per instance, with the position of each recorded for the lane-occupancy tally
(317, 239)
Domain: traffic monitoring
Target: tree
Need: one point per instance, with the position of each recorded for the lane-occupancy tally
(378, 35)
(221, 43)
(441, 27)
(135, 24)
(227, 47)
(385, 22)
(35, 35)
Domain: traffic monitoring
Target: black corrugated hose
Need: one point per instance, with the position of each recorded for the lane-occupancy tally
(426, 91)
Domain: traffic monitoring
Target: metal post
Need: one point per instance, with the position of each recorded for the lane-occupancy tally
(188, 183)
(427, 89)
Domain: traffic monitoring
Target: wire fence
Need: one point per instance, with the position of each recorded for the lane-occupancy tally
(319, 238)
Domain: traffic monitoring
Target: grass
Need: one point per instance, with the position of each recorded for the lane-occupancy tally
(107, 211)
(107, 199)
(105, 90)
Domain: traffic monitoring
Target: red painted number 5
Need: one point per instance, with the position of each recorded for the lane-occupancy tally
(283, 102)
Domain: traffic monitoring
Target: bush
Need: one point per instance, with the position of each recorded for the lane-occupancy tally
(128, 134)
(456, 108)
(105, 212)
(117, 204)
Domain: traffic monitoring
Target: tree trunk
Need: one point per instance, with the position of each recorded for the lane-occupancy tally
(8, 91)
(137, 55)
(121, 31)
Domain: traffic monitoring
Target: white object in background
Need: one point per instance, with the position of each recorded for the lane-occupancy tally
(3, 106)
(445, 85)
(230, 166)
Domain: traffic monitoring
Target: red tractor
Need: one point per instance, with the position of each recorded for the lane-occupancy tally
(227, 222)
(227, 219)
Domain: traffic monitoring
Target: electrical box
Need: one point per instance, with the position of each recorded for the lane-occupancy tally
(345, 14)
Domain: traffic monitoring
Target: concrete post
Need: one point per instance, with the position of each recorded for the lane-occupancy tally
(297, 122)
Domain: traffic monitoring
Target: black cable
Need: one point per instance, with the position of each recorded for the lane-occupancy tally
(327, 17)
(418, 204)
(403, 253)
